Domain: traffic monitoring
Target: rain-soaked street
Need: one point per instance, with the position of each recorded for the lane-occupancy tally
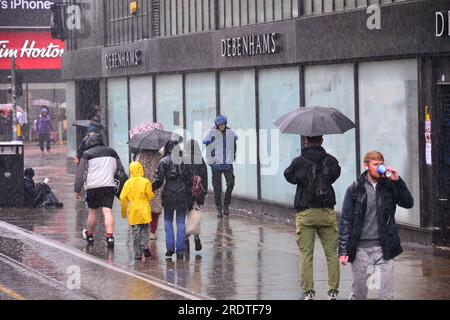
(43, 256)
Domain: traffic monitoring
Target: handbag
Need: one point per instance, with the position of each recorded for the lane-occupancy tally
(193, 221)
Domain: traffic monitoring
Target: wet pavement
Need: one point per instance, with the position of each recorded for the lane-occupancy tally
(243, 257)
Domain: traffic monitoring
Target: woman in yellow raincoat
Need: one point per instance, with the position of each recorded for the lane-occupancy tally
(135, 198)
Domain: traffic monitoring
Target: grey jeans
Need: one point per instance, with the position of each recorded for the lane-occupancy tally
(140, 237)
(371, 271)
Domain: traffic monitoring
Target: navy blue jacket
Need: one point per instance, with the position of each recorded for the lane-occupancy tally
(389, 194)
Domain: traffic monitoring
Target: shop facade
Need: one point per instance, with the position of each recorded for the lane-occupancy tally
(181, 63)
(25, 33)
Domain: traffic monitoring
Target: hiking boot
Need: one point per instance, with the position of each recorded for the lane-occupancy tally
(110, 242)
(309, 295)
(147, 252)
(169, 253)
(226, 212)
(332, 294)
(198, 244)
(187, 245)
(90, 239)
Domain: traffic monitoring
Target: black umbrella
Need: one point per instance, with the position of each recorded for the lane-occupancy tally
(152, 140)
(87, 124)
(314, 121)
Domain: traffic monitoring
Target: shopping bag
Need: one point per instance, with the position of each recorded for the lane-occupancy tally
(193, 221)
(53, 136)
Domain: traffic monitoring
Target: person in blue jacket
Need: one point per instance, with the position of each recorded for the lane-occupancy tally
(221, 153)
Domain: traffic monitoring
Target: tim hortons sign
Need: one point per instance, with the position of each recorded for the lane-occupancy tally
(32, 50)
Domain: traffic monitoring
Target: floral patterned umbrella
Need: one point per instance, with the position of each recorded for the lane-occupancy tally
(145, 127)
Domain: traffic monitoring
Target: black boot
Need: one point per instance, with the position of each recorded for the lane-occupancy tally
(198, 244)
(219, 213)
(226, 212)
(186, 245)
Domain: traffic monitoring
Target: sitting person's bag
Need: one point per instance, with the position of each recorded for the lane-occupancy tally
(193, 221)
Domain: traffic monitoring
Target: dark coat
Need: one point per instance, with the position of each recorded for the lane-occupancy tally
(297, 173)
(176, 194)
(389, 194)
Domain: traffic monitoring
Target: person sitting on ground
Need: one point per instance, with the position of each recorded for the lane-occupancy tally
(38, 195)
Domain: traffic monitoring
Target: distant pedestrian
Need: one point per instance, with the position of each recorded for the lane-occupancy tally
(22, 120)
(44, 128)
(314, 172)
(150, 160)
(368, 236)
(221, 153)
(96, 171)
(6, 126)
(194, 160)
(3, 124)
(176, 178)
(135, 199)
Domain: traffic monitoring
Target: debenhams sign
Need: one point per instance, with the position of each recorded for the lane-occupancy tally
(442, 23)
(123, 59)
(252, 45)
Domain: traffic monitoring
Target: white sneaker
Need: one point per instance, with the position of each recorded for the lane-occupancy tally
(309, 295)
(332, 294)
(90, 240)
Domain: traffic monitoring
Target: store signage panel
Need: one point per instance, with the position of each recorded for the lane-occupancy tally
(25, 13)
(32, 50)
(250, 45)
(123, 59)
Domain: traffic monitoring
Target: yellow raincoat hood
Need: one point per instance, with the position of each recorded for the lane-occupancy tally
(136, 196)
(136, 170)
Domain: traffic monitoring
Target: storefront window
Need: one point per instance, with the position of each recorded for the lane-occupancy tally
(200, 107)
(39, 95)
(388, 100)
(332, 86)
(141, 100)
(169, 102)
(118, 118)
(278, 94)
(237, 103)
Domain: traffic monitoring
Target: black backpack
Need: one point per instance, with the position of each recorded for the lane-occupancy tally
(319, 186)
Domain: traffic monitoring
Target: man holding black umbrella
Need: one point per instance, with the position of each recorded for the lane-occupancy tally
(314, 172)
